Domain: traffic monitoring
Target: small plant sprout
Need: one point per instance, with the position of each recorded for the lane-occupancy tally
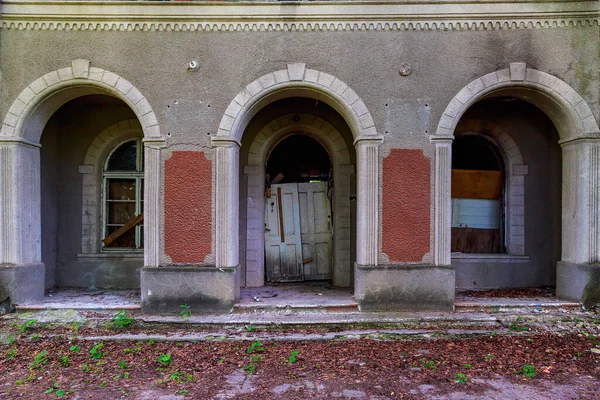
(527, 371)
(26, 325)
(185, 312)
(250, 328)
(56, 390)
(255, 346)
(65, 361)
(165, 360)
(461, 378)
(467, 365)
(40, 359)
(489, 356)
(293, 356)
(428, 364)
(10, 354)
(95, 352)
(121, 320)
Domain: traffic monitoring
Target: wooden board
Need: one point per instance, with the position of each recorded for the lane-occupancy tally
(481, 241)
(133, 221)
(475, 184)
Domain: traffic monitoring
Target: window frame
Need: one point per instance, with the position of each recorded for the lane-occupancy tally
(138, 176)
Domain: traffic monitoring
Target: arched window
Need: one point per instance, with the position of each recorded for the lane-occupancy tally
(123, 197)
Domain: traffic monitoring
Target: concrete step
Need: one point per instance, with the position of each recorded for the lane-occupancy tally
(514, 306)
(259, 308)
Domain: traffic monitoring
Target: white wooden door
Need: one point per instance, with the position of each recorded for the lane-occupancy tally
(283, 246)
(315, 224)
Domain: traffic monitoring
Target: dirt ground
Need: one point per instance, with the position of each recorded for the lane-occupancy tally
(41, 361)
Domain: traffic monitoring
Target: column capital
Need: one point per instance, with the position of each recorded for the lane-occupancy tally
(224, 141)
(373, 140)
(589, 138)
(18, 140)
(441, 139)
(154, 143)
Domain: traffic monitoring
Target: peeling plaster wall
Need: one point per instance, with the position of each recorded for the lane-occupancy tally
(188, 216)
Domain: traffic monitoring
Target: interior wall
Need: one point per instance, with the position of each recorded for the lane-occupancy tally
(262, 118)
(65, 141)
(537, 139)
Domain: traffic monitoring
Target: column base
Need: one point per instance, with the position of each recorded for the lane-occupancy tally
(205, 289)
(578, 282)
(393, 287)
(21, 283)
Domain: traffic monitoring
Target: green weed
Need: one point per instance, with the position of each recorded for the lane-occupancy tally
(75, 348)
(185, 312)
(95, 352)
(65, 361)
(26, 325)
(428, 364)
(121, 320)
(461, 378)
(10, 354)
(255, 346)
(527, 370)
(293, 356)
(165, 360)
(40, 359)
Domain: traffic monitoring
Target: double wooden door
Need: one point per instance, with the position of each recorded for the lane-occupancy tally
(298, 227)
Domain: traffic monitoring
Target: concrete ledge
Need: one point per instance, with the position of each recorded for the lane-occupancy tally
(102, 271)
(578, 282)
(206, 289)
(22, 283)
(393, 287)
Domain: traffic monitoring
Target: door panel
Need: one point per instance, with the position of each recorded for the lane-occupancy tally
(315, 217)
(284, 251)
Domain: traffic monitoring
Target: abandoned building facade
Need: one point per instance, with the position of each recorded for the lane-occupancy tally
(402, 149)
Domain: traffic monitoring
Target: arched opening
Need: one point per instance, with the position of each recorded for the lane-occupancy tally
(299, 158)
(478, 180)
(508, 151)
(82, 205)
(299, 151)
(298, 217)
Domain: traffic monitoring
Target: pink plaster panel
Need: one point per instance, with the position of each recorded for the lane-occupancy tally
(406, 205)
(188, 196)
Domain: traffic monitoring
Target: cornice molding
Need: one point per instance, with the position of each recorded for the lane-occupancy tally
(296, 16)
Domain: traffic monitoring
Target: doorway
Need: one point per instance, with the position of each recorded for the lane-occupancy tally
(298, 211)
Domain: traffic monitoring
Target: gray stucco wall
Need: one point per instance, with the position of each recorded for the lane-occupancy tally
(189, 105)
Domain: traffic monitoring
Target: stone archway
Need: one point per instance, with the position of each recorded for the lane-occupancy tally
(20, 232)
(335, 145)
(295, 81)
(580, 141)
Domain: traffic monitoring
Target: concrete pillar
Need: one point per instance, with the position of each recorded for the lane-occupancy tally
(22, 274)
(442, 199)
(578, 272)
(367, 207)
(152, 200)
(227, 201)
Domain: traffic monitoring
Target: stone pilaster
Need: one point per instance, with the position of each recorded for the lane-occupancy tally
(152, 201)
(442, 199)
(227, 201)
(367, 208)
(20, 227)
(581, 200)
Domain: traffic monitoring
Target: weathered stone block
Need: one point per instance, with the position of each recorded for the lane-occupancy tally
(206, 289)
(22, 283)
(404, 287)
(578, 282)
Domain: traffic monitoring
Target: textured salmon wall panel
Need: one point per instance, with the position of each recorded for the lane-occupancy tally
(188, 196)
(406, 205)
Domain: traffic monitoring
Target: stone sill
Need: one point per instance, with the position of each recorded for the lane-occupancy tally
(501, 258)
(117, 254)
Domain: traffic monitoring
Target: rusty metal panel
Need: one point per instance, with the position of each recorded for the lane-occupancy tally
(476, 184)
